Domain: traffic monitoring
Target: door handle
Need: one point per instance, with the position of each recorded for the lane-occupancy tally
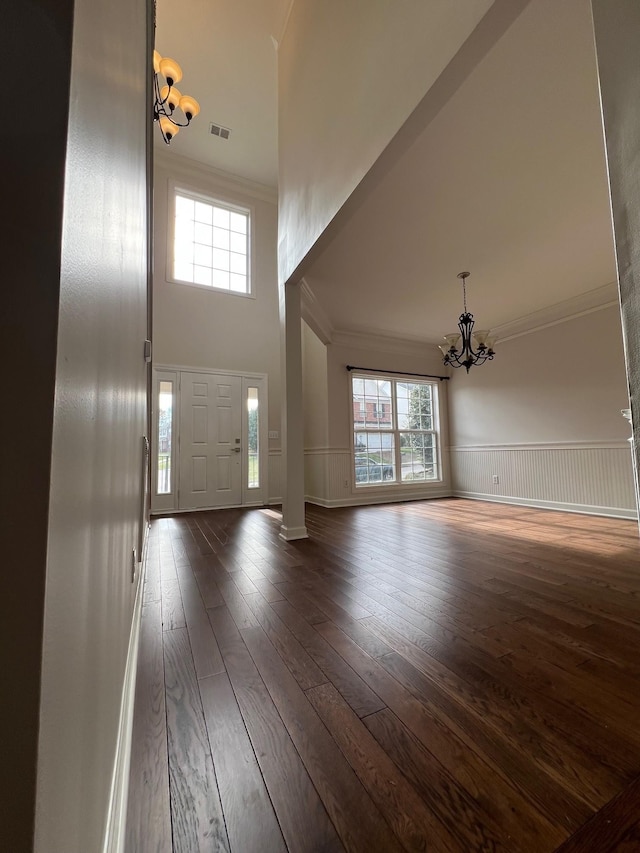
(237, 449)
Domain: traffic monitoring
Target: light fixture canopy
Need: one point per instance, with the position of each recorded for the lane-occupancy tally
(459, 349)
(167, 99)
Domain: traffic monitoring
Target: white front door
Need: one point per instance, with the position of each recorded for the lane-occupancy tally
(210, 440)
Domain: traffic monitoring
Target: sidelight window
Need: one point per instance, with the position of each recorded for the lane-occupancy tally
(165, 437)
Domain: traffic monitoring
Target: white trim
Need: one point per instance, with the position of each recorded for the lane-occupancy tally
(368, 338)
(583, 509)
(161, 513)
(283, 26)
(381, 341)
(314, 314)
(395, 430)
(171, 162)
(379, 498)
(613, 444)
(187, 369)
(117, 811)
(176, 186)
(163, 507)
(167, 500)
(255, 496)
(326, 451)
(598, 299)
(290, 534)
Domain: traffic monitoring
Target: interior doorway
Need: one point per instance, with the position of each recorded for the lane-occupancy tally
(210, 439)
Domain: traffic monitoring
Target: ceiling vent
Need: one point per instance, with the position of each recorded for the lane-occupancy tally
(218, 130)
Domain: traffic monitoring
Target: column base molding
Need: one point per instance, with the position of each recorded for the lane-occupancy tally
(291, 533)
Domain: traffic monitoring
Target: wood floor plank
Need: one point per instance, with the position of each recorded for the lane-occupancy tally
(455, 808)
(148, 813)
(510, 807)
(299, 663)
(411, 820)
(152, 590)
(614, 829)
(242, 789)
(338, 786)
(206, 654)
(211, 595)
(196, 812)
(303, 819)
(482, 690)
(172, 611)
(446, 672)
(351, 687)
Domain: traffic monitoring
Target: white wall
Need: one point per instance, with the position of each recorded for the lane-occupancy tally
(99, 420)
(315, 391)
(200, 327)
(316, 411)
(329, 469)
(545, 417)
(349, 74)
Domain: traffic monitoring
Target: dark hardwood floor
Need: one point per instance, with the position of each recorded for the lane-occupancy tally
(448, 676)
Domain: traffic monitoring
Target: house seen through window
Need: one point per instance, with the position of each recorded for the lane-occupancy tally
(395, 430)
(211, 244)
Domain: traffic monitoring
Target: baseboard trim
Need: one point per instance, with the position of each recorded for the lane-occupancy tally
(582, 509)
(117, 811)
(290, 534)
(163, 513)
(369, 500)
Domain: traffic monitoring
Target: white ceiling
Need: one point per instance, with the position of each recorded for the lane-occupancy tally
(508, 181)
(227, 51)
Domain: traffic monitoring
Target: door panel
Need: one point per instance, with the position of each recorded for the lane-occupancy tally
(210, 440)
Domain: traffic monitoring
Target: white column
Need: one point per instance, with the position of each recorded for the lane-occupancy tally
(617, 35)
(293, 521)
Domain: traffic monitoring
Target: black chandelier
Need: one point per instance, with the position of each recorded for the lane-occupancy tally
(459, 351)
(167, 99)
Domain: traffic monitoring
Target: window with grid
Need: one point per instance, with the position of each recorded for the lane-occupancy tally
(395, 430)
(211, 243)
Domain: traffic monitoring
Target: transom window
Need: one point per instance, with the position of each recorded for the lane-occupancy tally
(395, 430)
(211, 243)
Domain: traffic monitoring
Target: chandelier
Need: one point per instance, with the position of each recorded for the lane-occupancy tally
(167, 99)
(459, 351)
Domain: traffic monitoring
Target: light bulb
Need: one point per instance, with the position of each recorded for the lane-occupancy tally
(169, 129)
(170, 69)
(189, 106)
(172, 95)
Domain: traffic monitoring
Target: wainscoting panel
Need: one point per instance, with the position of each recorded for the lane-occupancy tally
(583, 477)
(329, 482)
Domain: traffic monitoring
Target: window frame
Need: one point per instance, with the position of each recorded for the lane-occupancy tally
(221, 201)
(396, 432)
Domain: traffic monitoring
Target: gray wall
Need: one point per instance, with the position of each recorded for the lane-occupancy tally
(75, 235)
(544, 418)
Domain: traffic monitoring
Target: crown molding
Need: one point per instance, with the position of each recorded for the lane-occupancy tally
(176, 163)
(598, 299)
(314, 314)
(282, 29)
(376, 339)
(363, 338)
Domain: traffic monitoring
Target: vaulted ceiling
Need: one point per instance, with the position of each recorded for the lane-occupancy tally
(228, 53)
(507, 181)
